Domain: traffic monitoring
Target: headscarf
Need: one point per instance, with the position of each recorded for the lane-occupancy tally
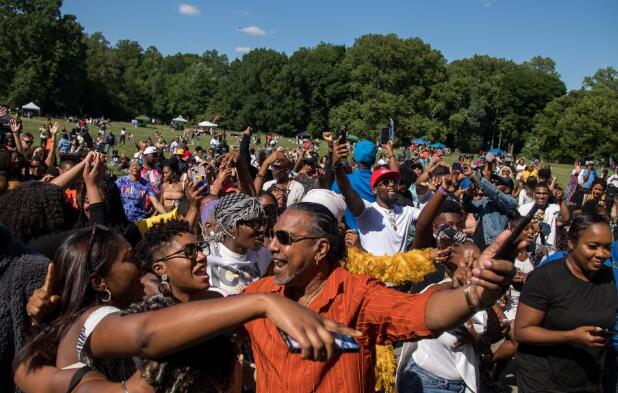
(329, 199)
(233, 208)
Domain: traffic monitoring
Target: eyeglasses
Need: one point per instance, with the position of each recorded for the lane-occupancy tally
(285, 238)
(190, 252)
(279, 190)
(389, 182)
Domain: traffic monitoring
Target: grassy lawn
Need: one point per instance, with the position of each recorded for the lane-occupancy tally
(562, 171)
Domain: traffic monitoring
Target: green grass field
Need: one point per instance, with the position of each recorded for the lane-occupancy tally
(562, 171)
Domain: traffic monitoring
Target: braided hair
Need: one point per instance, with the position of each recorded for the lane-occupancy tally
(233, 208)
(206, 367)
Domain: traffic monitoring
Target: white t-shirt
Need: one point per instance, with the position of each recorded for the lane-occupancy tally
(524, 198)
(511, 308)
(613, 180)
(230, 272)
(552, 211)
(377, 234)
(297, 191)
(443, 357)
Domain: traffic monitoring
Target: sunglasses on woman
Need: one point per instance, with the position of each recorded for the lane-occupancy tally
(286, 238)
(189, 251)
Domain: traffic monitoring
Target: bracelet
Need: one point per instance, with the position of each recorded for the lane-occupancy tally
(469, 301)
(443, 191)
(261, 176)
(391, 156)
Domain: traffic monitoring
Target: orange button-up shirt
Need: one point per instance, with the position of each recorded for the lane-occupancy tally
(383, 315)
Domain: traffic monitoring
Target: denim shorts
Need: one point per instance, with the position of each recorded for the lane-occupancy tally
(414, 379)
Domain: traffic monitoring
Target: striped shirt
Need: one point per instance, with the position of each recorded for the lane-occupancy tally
(381, 314)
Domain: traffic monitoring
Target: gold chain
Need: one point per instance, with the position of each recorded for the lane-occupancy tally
(312, 295)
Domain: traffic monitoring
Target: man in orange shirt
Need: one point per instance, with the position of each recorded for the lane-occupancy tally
(306, 249)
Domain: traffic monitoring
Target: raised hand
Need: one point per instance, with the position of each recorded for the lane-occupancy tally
(54, 129)
(340, 152)
(43, 301)
(2, 111)
(15, 127)
(327, 136)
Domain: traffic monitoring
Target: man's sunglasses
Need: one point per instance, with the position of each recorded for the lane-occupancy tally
(389, 182)
(279, 190)
(189, 251)
(285, 238)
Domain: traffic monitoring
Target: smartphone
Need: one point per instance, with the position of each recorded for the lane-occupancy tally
(343, 343)
(197, 173)
(509, 247)
(385, 135)
(343, 135)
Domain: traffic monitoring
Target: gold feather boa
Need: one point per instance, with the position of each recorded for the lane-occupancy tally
(411, 266)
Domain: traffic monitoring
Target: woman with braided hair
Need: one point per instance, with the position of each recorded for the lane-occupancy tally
(237, 253)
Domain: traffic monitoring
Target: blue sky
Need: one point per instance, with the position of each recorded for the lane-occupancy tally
(580, 35)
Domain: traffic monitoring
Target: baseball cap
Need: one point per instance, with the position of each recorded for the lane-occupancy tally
(150, 150)
(180, 151)
(381, 174)
(365, 152)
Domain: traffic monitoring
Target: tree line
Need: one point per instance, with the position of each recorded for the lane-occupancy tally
(472, 103)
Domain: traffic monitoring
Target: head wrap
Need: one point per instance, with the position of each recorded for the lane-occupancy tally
(327, 198)
(233, 208)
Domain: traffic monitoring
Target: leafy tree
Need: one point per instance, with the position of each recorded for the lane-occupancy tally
(604, 78)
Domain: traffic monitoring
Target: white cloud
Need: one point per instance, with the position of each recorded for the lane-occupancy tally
(188, 9)
(488, 3)
(252, 30)
(243, 49)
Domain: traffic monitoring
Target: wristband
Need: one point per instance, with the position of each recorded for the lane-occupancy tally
(391, 156)
(261, 176)
(338, 165)
(443, 191)
(469, 300)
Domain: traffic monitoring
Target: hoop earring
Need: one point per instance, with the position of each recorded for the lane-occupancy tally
(164, 286)
(108, 297)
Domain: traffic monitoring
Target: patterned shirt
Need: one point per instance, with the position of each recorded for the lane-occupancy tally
(381, 314)
(134, 195)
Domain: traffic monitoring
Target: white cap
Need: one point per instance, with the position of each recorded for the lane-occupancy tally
(150, 150)
(327, 198)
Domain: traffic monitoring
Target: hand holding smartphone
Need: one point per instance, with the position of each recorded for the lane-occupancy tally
(343, 343)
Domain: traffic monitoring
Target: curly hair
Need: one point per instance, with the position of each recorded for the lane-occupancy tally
(206, 367)
(34, 209)
(159, 236)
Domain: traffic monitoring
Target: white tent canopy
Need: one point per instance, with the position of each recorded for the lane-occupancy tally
(31, 106)
(206, 123)
(180, 119)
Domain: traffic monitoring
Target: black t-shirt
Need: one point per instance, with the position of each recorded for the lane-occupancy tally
(568, 303)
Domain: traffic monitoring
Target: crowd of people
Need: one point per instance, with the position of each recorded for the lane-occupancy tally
(253, 268)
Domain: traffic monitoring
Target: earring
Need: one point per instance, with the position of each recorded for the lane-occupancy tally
(164, 286)
(107, 297)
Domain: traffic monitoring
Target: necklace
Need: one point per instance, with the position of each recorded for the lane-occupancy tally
(392, 217)
(313, 294)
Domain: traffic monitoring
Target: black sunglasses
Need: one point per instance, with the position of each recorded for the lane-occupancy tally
(388, 182)
(190, 252)
(285, 238)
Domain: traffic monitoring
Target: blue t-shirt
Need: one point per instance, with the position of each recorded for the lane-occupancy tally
(359, 180)
(134, 195)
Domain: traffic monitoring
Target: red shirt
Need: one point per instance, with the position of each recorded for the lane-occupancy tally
(383, 315)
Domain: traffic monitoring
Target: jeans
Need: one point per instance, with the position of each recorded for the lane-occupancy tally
(610, 371)
(414, 379)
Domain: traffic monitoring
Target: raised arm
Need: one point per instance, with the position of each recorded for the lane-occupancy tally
(423, 234)
(51, 157)
(69, 176)
(392, 160)
(260, 178)
(15, 130)
(352, 199)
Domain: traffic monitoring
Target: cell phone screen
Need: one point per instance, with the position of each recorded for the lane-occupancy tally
(384, 136)
(343, 343)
